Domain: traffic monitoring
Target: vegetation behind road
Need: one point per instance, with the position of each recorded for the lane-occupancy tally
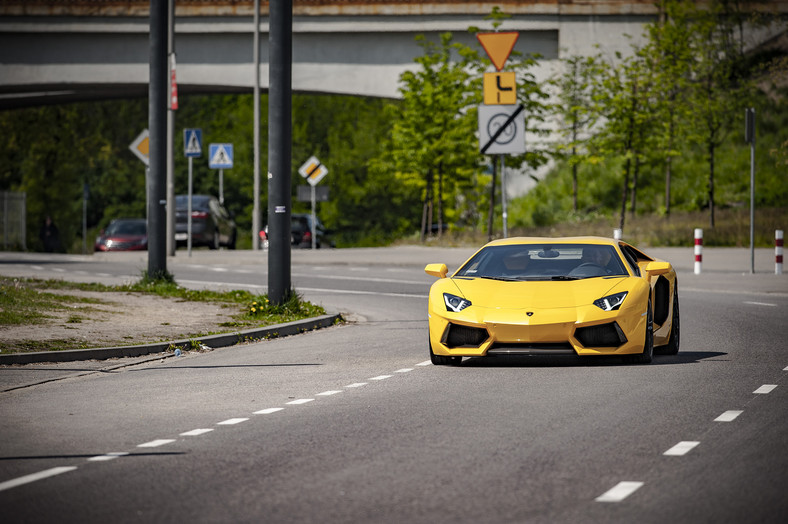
(671, 114)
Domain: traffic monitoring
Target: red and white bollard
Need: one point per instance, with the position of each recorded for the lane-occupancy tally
(778, 252)
(698, 250)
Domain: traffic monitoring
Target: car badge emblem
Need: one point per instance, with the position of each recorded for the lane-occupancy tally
(529, 313)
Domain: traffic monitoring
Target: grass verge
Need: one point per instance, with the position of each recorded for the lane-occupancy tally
(25, 301)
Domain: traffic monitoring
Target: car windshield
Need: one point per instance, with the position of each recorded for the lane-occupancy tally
(544, 262)
(126, 228)
(198, 202)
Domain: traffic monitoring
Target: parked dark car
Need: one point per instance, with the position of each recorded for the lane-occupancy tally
(301, 232)
(212, 224)
(123, 234)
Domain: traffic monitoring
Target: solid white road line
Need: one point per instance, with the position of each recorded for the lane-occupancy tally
(231, 421)
(682, 448)
(619, 492)
(728, 416)
(108, 456)
(766, 388)
(35, 476)
(268, 411)
(301, 401)
(196, 432)
(761, 304)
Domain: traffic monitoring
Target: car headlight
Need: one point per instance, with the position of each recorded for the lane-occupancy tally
(611, 302)
(455, 303)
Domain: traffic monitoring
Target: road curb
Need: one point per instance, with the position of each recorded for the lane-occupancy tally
(212, 341)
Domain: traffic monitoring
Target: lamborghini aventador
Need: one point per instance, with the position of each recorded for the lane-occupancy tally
(554, 296)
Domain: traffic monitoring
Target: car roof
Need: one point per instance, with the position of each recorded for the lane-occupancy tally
(591, 240)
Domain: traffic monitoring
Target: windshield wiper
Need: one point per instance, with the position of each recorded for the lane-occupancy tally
(502, 279)
(565, 277)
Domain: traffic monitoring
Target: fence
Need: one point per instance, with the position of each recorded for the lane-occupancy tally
(13, 224)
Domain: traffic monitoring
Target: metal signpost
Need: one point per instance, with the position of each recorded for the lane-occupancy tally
(314, 172)
(749, 137)
(192, 148)
(501, 119)
(220, 156)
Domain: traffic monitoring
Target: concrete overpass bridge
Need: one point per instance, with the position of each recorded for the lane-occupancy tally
(55, 51)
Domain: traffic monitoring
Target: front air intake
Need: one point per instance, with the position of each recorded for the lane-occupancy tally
(602, 336)
(458, 336)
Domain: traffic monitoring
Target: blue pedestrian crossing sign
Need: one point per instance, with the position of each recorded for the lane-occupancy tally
(220, 156)
(192, 142)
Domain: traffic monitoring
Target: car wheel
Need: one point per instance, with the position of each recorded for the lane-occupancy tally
(215, 241)
(672, 347)
(648, 344)
(232, 241)
(440, 360)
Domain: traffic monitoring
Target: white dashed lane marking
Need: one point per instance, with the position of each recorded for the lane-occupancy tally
(356, 385)
(301, 401)
(108, 456)
(619, 492)
(761, 304)
(682, 448)
(35, 476)
(196, 432)
(268, 411)
(728, 416)
(403, 370)
(156, 443)
(328, 393)
(425, 363)
(381, 377)
(231, 421)
(766, 388)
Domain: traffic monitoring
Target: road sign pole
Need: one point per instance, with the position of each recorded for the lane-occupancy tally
(221, 186)
(503, 196)
(491, 213)
(189, 212)
(170, 209)
(280, 52)
(256, 58)
(750, 136)
(157, 118)
(314, 217)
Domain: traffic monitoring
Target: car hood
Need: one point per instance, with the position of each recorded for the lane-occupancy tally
(538, 294)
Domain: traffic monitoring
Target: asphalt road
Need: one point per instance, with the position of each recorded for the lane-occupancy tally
(352, 424)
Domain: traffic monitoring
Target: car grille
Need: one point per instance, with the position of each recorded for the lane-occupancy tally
(520, 348)
(457, 335)
(602, 336)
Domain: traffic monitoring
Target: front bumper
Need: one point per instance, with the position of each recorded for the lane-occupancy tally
(583, 330)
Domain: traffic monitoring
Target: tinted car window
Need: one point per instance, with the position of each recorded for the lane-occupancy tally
(544, 262)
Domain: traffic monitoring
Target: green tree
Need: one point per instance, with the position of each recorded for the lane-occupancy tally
(433, 123)
(578, 113)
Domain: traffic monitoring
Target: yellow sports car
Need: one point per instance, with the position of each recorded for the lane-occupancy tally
(554, 296)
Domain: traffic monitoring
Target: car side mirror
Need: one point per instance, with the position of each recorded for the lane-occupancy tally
(657, 268)
(436, 270)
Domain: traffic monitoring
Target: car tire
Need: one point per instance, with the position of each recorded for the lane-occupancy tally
(672, 347)
(648, 344)
(215, 241)
(440, 360)
(231, 245)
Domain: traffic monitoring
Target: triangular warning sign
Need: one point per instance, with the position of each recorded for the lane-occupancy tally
(193, 145)
(498, 46)
(220, 156)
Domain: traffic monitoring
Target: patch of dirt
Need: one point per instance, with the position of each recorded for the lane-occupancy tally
(120, 319)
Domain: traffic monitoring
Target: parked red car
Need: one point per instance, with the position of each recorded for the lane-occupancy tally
(123, 234)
